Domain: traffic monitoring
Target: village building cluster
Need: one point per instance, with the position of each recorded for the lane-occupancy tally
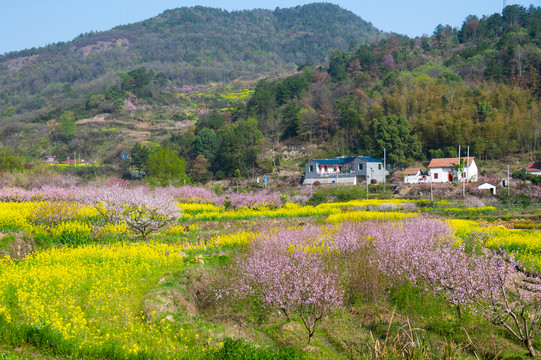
(51, 160)
(360, 169)
(445, 170)
(366, 169)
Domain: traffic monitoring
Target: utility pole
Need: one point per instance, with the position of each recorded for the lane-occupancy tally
(508, 184)
(431, 193)
(384, 166)
(467, 176)
(367, 181)
(458, 175)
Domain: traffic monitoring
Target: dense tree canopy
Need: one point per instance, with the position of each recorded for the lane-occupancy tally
(166, 168)
(9, 161)
(394, 135)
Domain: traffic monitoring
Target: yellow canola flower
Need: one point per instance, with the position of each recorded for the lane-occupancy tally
(181, 229)
(70, 228)
(471, 209)
(239, 238)
(89, 291)
(15, 216)
(369, 215)
(30, 216)
(196, 208)
(525, 243)
(289, 210)
(364, 203)
(114, 229)
(5, 313)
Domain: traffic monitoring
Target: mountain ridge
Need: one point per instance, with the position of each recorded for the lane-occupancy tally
(188, 45)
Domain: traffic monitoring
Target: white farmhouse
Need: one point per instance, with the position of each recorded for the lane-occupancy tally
(534, 168)
(413, 176)
(443, 170)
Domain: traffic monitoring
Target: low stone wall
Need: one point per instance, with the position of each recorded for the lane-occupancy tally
(332, 180)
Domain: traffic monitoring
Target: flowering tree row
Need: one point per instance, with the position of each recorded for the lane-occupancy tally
(309, 271)
(186, 193)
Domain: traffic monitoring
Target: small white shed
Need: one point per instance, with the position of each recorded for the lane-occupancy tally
(487, 186)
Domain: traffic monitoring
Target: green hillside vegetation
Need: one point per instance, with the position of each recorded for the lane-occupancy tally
(477, 86)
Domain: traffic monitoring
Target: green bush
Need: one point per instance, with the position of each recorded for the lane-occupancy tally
(337, 193)
(239, 349)
(317, 198)
(344, 194)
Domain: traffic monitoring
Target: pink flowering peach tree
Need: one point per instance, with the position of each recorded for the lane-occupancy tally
(283, 272)
(143, 210)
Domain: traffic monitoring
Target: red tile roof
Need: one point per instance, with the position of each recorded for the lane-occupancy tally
(446, 162)
(411, 171)
(534, 166)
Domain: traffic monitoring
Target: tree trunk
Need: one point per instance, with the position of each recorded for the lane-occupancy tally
(531, 349)
(310, 333)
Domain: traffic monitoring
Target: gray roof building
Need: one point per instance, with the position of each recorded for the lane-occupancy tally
(344, 170)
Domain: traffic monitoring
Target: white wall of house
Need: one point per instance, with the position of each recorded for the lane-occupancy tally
(360, 168)
(412, 179)
(472, 172)
(331, 180)
(375, 171)
(441, 174)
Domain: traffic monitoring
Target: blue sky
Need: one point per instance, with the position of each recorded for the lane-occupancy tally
(34, 23)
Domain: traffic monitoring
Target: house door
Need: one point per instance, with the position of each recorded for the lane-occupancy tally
(450, 177)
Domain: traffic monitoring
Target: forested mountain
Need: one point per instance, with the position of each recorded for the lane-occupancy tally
(187, 45)
(476, 86)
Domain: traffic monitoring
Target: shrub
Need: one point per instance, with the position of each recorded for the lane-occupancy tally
(316, 199)
(239, 349)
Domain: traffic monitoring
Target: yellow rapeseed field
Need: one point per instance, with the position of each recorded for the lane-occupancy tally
(92, 294)
(525, 244)
(369, 215)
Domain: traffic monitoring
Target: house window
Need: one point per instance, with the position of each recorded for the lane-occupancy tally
(435, 175)
(360, 166)
(311, 168)
(379, 166)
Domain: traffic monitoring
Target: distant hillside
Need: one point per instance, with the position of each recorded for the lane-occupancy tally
(188, 45)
